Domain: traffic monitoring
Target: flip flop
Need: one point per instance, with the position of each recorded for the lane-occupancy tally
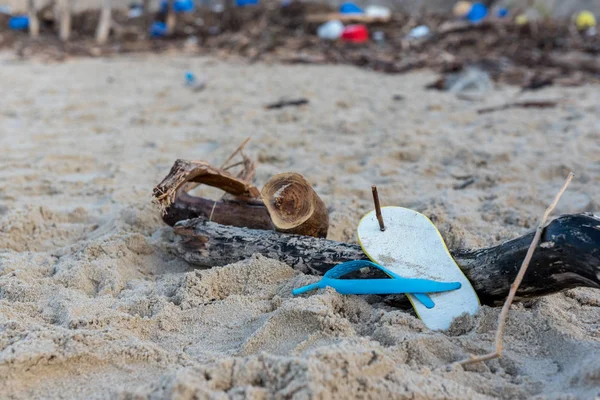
(395, 285)
(411, 246)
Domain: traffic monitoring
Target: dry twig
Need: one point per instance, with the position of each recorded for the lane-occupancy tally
(515, 286)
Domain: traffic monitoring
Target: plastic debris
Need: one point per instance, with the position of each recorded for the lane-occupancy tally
(136, 10)
(521, 19)
(585, 20)
(502, 12)
(471, 79)
(19, 23)
(378, 36)
(244, 3)
(378, 12)
(350, 8)
(179, 6)
(419, 32)
(461, 9)
(5, 10)
(158, 29)
(477, 13)
(193, 83)
(331, 30)
(355, 34)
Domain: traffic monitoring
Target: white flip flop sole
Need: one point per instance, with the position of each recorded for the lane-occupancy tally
(412, 247)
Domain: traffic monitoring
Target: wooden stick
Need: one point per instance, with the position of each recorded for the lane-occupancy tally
(377, 208)
(235, 152)
(103, 29)
(34, 22)
(346, 18)
(519, 278)
(64, 7)
(171, 18)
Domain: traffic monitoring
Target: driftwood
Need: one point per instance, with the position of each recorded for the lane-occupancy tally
(520, 104)
(34, 22)
(294, 206)
(567, 257)
(346, 18)
(64, 10)
(103, 29)
(287, 204)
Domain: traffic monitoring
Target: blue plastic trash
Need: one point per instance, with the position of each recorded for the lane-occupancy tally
(395, 285)
(190, 78)
(477, 13)
(180, 6)
(244, 3)
(350, 8)
(502, 12)
(158, 29)
(19, 23)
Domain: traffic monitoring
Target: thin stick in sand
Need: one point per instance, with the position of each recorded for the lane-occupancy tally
(64, 7)
(515, 286)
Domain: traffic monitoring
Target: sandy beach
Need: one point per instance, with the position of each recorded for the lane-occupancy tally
(93, 305)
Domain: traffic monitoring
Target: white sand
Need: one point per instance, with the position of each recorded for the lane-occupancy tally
(92, 306)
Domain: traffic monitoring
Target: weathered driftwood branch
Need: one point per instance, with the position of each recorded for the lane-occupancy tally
(567, 257)
(103, 28)
(34, 22)
(294, 206)
(184, 172)
(287, 204)
(64, 10)
(232, 212)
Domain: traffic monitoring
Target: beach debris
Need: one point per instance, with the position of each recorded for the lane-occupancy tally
(395, 284)
(378, 36)
(245, 3)
(350, 8)
(519, 279)
(286, 103)
(19, 23)
(502, 12)
(294, 206)
(194, 83)
(6, 10)
(104, 25)
(477, 13)
(34, 22)
(417, 253)
(136, 10)
(158, 29)
(521, 20)
(470, 79)
(419, 32)
(461, 9)
(287, 203)
(378, 12)
(491, 270)
(520, 104)
(179, 6)
(355, 33)
(509, 52)
(330, 30)
(585, 20)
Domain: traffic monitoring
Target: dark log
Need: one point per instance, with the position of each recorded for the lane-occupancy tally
(250, 212)
(568, 255)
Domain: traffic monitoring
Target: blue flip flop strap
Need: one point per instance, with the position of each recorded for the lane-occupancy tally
(388, 286)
